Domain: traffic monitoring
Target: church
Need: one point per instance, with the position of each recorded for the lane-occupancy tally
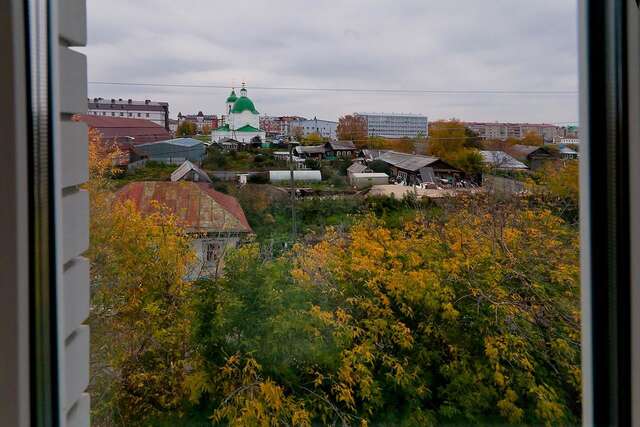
(242, 122)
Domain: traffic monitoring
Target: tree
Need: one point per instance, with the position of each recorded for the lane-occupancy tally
(313, 138)
(206, 129)
(186, 128)
(532, 138)
(454, 322)
(447, 138)
(297, 133)
(353, 128)
(138, 316)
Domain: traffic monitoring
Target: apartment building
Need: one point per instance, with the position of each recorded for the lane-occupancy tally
(157, 112)
(502, 131)
(395, 125)
(277, 125)
(325, 128)
(200, 120)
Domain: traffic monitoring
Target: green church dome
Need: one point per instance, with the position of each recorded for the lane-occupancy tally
(232, 97)
(243, 104)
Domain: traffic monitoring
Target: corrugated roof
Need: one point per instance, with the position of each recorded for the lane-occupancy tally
(185, 168)
(121, 128)
(197, 206)
(370, 175)
(342, 145)
(410, 162)
(522, 152)
(180, 142)
(501, 160)
(310, 149)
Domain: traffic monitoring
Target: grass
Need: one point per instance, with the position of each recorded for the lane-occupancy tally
(151, 171)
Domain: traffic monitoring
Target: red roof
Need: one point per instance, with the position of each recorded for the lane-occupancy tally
(124, 129)
(197, 206)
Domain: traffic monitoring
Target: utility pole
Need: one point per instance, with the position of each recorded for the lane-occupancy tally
(293, 193)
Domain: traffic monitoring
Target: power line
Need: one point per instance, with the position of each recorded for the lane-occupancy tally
(352, 90)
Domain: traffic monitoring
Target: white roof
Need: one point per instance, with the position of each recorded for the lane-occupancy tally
(298, 175)
(501, 160)
(185, 168)
(370, 175)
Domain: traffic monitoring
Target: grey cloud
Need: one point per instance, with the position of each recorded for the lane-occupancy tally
(436, 44)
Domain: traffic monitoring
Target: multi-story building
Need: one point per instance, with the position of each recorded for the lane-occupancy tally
(277, 125)
(324, 128)
(200, 120)
(395, 125)
(157, 112)
(502, 131)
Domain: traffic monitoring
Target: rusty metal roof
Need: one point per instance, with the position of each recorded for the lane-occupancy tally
(197, 206)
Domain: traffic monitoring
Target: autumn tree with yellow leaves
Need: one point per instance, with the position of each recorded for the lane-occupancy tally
(139, 317)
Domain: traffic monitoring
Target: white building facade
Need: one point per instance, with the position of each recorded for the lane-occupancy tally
(393, 125)
(242, 120)
(324, 128)
(157, 112)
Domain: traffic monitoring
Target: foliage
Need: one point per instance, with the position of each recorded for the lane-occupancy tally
(532, 138)
(312, 164)
(456, 321)
(467, 317)
(297, 133)
(186, 128)
(453, 142)
(313, 138)
(151, 171)
(138, 304)
(206, 130)
(560, 187)
(353, 128)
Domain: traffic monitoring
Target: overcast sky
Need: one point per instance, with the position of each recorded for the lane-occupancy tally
(520, 45)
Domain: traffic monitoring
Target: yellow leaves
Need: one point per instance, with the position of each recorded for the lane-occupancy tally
(508, 408)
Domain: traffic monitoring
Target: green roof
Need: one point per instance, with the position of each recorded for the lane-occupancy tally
(243, 104)
(223, 127)
(232, 97)
(247, 128)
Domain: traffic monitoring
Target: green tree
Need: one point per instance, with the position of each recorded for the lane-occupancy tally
(186, 128)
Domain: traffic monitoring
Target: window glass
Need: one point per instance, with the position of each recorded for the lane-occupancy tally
(383, 230)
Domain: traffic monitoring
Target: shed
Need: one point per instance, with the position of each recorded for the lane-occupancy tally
(187, 171)
(535, 156)
(173, 150)
(357, 167)
(310, 151)
(298, 175)
(407, 167)
(367, 179)
(567, 153)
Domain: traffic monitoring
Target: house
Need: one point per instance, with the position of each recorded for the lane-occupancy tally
(311, 151)
(367, 179)
(122, 129)
(534, 156)
(499, 160)
(298, 175)
(214, 220)
(340, 149)
(567, 153)
(189, 172)
(175, 150)
(415, 169)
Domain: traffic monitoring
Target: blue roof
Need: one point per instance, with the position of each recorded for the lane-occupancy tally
(182, 142)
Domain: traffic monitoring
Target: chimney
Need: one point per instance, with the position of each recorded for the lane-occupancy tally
(129, 101)
(113, 100)
(147, 101)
